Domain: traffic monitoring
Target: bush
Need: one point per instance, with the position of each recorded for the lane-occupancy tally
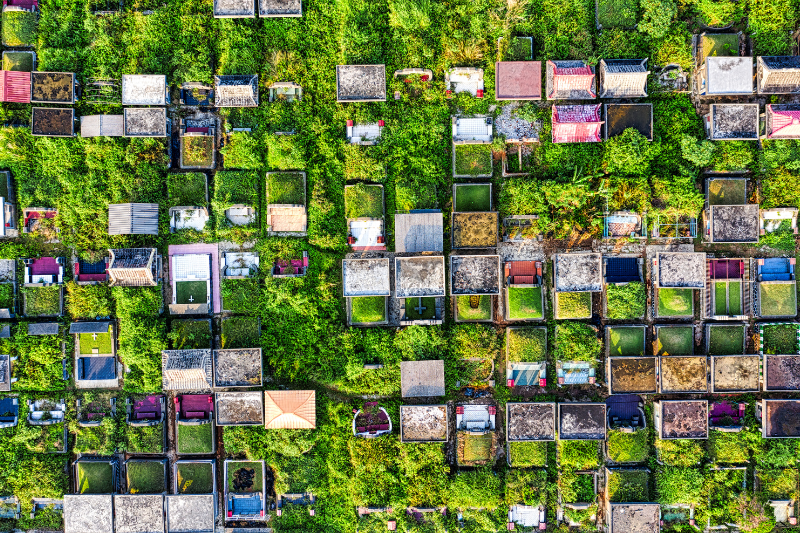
(626, 301)
(413, 16)
(676, 486)
(720, 12)
(478, 488)
(680, 452)
(629, 153)
(527, 487)
(657, 17)
(284, 152)
(577, 342)
(626, 447)
(242, 152)
(89, 301)
(574, 304)
(187, 189)
(578, 454)
(527, 454)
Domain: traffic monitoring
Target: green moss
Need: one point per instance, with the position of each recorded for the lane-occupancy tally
(574, 304)
(195, 438)
(524, 303)
(368, 309)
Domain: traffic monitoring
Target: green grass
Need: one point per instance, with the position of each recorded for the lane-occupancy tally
(101, 439)
(624, 447)
(720, 13)
(89, 301)
(474, 448)
(240, 332)
(190, 334)
(42, 301)
(187, 189)
(6, 295)
(778, 299)
(626, 340)
(678, 340)
(573, 304)
(473, 197)
(726, 340)
(527, 345)
(428, 313)
(735, 297)
(363, 201)
(624, 302)
(284, 152)
(730, 447)
(628, 486)
(482, 312)
(726, 192)
(675, 302)
(617, 13)
(519, 50)
(679, 485)
(719, 44)
(95, 477)
(576, 488)
(578, 454)
(527, 454)
(720, 298)
(780, 339)
(473, 160)
(191, 292)
(680, 452)
(18, 61)
(286, 188)
(102, 343)
(240, 295)
(258, 480)
(728, 297)
(778, 484)
(368, 309)
(146, 477)
(195, 478)
(195, 439)
(19, 28)
(197, 150)
(577, 342)
(524, 303)
(145, 439)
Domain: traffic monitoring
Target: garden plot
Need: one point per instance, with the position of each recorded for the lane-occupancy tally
(634, 517)
(19, 28)
(779, 487)
(674, 340)
(735, 373)
(360, 83)
(729, 447)
(573, 305)
(578, 272)
(195, 477)
(19, 61)
(96, 422)
(423, 423)
(474, 309)
(779, 339)
(581, 421)
(675, 303)
(526, 357)
(777, 299)
(364, 208)
(418, 277)
(146, 477)
(474, 230)
(527, 454)
(475, 275)
(472, 161)
(525, 302)
(197, 151)
(725, 340)
(195, 438)
(725, 487)
(52, 122)
(237, 367)
(682, 419)
(236, 195)
(239, 408)
(625, 485)
(633, 375)
(240, 332)
(187, 189)
(368, 311)
(781, 372)
(95, 477)
(530, 421)
(577, 350)
(475, 449)
(683, 374)
(190, 334)
(42, 301)
(472, 197)
(625, 340)
(625, 301)
(627, 445)
(52, 88)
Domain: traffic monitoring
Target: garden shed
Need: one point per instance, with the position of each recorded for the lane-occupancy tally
(783, 121)
(578, 272)
(576, 123)
(620, 117)
(475, 275)
(364, 134)
(145, 122)
(424, 423)
(280, 8)
(292, 409)
(623, 78)
(186, 370)
(134, 267)
(634, 518)
(680, 270)
(726, 76)
(53, 88)
(518, 80)
(732, 223)
(681, 419)
(96, 364)
(88, 513)
(9, 412)
(196, 94)
(236, 90)
(472, 130)
(234, 8)
(239, 408)
(42, 271)
(365, 277)
(138, 513)
(570, 80)
(102, 126)
(295, 267)
(419, 277)
(133, 219)
(732, 122)
(780, 419)
(778, 74)
(15, 87)
(581, 421)
(464, 80)
(190, 513)
(52, 122)
(195, 284)
(421, 379)
(360, 83)
(419, 231)
(145, 89)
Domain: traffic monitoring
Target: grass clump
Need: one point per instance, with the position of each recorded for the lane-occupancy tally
(617, 13)
(577, 342)
(89, 301)
(524, 303)
(41, 301)
(286, 188)
(627, 301)
(624, 447)
(578, 454)
(575, 487)
(145, 439)
(628, 486)
(482, 312)
(368, 309)
(726, 340)
(680, 452)
(675, 340)
(187, 189)
(527, 454)
(363, 201)
(574, 304)
(726, 447)
(473, 160)
(626, 340)
(527, 345)
(675, 302)
(780, 339)
(190, 335)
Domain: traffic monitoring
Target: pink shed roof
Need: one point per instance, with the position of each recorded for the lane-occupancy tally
(15, 87)
(785, 123)
(576, 123)
(571, 80)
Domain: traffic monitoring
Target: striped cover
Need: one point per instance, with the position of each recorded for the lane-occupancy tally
(15, 87)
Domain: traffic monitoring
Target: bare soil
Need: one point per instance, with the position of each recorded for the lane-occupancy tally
(475, 274)
(531, 421)
(423, 422)
(684, 374)
(474, 230)
(52, 121)
(52, 87)
(635, 518)
(684, 419)
(783, 372)
(581, 421)
(633, 374)
(736, 373)
(783, 418)
(361, 82)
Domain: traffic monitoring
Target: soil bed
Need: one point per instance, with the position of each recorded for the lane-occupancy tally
(684, 420)
(633, 374)
(54, 87)
(239, 408)
(736, 373)
(782, 372)
(582, 421)
(782, 418)
(635, 517)
(683, 374)
(474, 230)
(531, 421)
(423, 422)
(623, 116)
(475, 274)
(52, 121)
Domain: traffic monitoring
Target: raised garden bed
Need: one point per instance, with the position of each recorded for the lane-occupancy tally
(781, 372)
(197, 151)
(525, 303)
(627, 485)
(368, 310)
(735, 373)
(244, 476)
(577, 486)
(777, 299)
(680, 452)
(473, 449)
(19, 61)
(473, 197)
(144, 439)
(729, 447)
(240, 332)
(625, 340)
(194, 477)
(41, 301)
(530, 421)
(423, 423)
(675, 303)
(674, 340)
(573, 305)
(632, 375)
(19, 28)
(472, 161)
(582, 421)
(684, 374)
(289, 188)
(527, 454)
(625, 302)
(94, 477)
(526, 344)
(682, 419)
(146, 477)
(779, 339)
(231, 190)
(482, 312)
(628, 446)
(725, 340)
(195, 439)
(474, 230)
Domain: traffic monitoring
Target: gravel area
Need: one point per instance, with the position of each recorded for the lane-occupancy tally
(508, 124)
(783, 372)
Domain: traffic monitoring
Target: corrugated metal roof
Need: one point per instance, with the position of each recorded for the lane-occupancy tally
(290, 409)
(576, 123)
(419, 232)
(133, 219)
(45, 328)
(783, 121)
(15, 87)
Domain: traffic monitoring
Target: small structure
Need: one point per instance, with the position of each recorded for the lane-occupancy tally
(576, 123)
(234, 8)
(96, 364)
(236, 91)
(530, 422)
(726, 416)
(631, 374)
(421, 379)
(780, 419)
(464, 80)
(475, 434)
(623, 78)
(145, 122)
(776, 294)
(5, 373)
(133, 219)
(471, 130)
(419, 231)
(239, 265)
(290, 268)
(581, 421)
(15, 87)
(138, 513)
(620, 117)
(284, 91)
(681, 419)
(197, 143)
(365, 277)
(771, 220)
(52, 122)
(680, 270)
(9, 412)
(145, 89)
(781, 373)
(518, 80)
(418, 277)
(188, 370)
(88, 513)
(726, 76)
(280, 8)
(778, 74)
(39, 220)
(624, 225)
(732, 122)
(10, 507)
(783, 121)
(293, 409)
(528, 516)
(43, 271)
(728, 291)
(731, 223)
(145, 411)
(134, 267)
(570, 80)
(196, 94)
(625, 412)
(366, 134)
(365, 228)
(286, 213)
(188, 217)
(735, 374)
(239, 408)
(523, 287)
(8, 206)
(360, 83)
(245, 490)
(102, 126)
(634, 517)
(424, 423)
(195, 285)
(578, 272)
(53, 88)
(194, 418)
(237, 368)
(190, 513)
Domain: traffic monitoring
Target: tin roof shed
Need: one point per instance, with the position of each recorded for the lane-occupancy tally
(133, 219)
(570, 80)
(778, 74)
(623, 78)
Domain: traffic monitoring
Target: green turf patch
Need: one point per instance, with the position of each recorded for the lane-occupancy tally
(524, 303)
(573, 304)
(726, 192)
(95, 477)
(19, 28)
(778, 299)
(195, 478)
(144, 439)
(482, 312)
(413, 304)
(191, 292)
(780, 339)
(195, 438)
(41, 301)
(677, 340)
(240, 332)
(735, 298)
(527, 454)
(18, 61)
(719, 44)
(190, 334)
(628, 486)
(363, 201)
(473, 160)
(576, 341)
(187, 189)
(146, 477)
(474, 448)
(624, 302)
(254, 469)
(368, 309)
(626, 340)
(286, 188)
(625, 447)
(726, 340)
(101, 342)
(476, 197)
(675, 302)
(720, 298)
(527, 345)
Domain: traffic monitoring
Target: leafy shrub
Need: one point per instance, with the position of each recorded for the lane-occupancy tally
(628, 486)
(89, 301)
(19, 28)
(413, 16)
(477, 488)
(576, 488)
(39, 363)
(733, 155)
(187, 189)
(629, 153)
(679, 485)
(240, 295)
(577, 342)
(42, 301)
(526, 344)
(780, 188)
(626, 447)
(771, 23)
(680, 452)
(731, 447)
(284, 152)
(673, 48)
(616, 13)
(626, 301)
(472, 160)
(578, 454)
(242, 151)
(621, 44)
(700, 154)
(720, 12)
(526, 487)
(362, 200)
(656, 17)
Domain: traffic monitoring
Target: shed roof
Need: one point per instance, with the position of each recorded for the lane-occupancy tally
(419, 232)
(783, 121)
(133, 267)
(635, 518)
(294, 409)
(102, 126)
(576, 123)
(133, 219)
(186, 369)
(366, 277)
(570, 80)
(734, 122)
(778, 74)
(623, 78)
(728, 75)
(144, 89)
(236, 91)
(681, 269)
(88, 513)
(89, 327)
(190, 513)
(734, 223)
(422, 378)
(43, 328)
(518, 80)
(15, 87)
(138, 513)
(239, 408)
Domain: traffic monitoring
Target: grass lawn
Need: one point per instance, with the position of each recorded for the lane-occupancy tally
(473, 159)
(240, 295)
(719, 44)
(482, 312)
(735, 297)
(780, 339)
(720, 298)
(428, 313)
(678, 340)
(527, 454)
(286, 188)
(473, 198)
(197, 150)
(95, 341)
(258, 479)
(240, 332)
(96, 439)
(627, 301)
(474, 448)
(628, 486)
(527, 345)
(190, 334)
(729, 447)
(728, 297)
(675, 302)
(778, 299)
(146, 477)
(191, 292)
(144, 439)
(726, 192)
(617, 13)
(626, 447)
(524, 302)
(195, 478)
(187, 189)
(519, 50)
(195, 438)
(363, 201)
(19, 28)
(626, 340)
(42, 301)
(95, 478)
(573, 304)
(368, 309)
(726, 340)
(18, 61)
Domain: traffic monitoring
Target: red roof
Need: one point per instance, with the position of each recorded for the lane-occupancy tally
(576, 123)
(785, 123)
(571, 79)
(15, 87)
